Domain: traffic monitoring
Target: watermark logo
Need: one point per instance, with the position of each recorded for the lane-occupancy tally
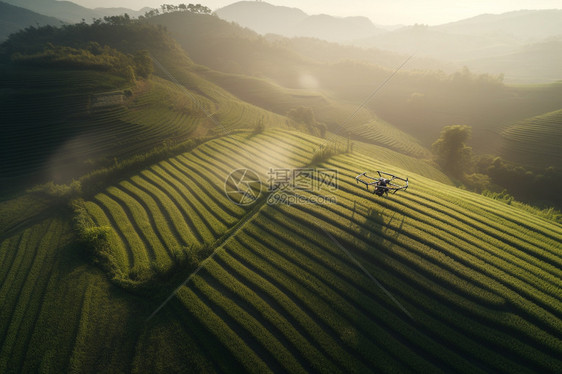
(304, 179)
(243, 186)
(284, 198)
(284, 185)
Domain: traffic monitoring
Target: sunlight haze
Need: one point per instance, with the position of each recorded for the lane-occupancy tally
(280, 186)
(430, 12)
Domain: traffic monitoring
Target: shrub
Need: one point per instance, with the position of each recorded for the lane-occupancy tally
(324, 153)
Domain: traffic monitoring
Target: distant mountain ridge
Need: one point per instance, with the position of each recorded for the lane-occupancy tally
(266, 18)
(523, 24)
(68, 11)
(488, 43)
(14, 18)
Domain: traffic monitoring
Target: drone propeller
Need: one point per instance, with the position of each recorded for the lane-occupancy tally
(382, 184)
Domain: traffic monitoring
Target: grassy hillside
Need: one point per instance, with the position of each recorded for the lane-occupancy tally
(278, 99)
(534, 142)
(420, 100)
(281, 295)
(63, 120)
(177, 208)
(478, 278)
(147, 265)
(61, 123)
(335, 113)
(387, 156)
(383, 134)
(60, 314)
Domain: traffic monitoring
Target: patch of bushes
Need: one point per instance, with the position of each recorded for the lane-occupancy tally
(58, 193)
(95, 240)
(323, 153)
(96, 180)
(93, 57)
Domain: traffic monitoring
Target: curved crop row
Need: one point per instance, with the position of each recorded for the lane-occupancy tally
(534, 142)
(483, 295)
(180, 204)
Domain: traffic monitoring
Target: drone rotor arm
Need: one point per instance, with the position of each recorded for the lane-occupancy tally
(383, 183)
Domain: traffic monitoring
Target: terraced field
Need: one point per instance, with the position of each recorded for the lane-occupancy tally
(34, 264)
(434, 279)
(281, 100)
(65, 127)
(74, 125)
(470, 284)
(179, 205)
(160, 271)
(388, 136)
(479, 280)
(387, 156)
(534, 142)
(57, 312)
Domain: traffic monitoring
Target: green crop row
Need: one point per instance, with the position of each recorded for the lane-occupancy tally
(24, 301)
(189, 216)
(389, 136)
(287, 306)
(217, 326)
(316, 258)
(540, 306)
(462, 233)
(414, 281)
(376, 344)
(531, 331)
(180, 203)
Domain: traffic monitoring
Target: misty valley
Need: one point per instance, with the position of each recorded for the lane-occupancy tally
(255, 188)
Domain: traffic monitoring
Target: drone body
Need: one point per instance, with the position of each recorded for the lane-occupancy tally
(384, 183)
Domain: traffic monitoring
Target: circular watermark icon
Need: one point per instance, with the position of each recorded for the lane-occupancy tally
(243, 186)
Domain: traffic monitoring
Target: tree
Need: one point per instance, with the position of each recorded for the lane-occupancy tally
(451, 151)
(143, 63)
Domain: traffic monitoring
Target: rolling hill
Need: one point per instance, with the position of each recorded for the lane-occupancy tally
(488, 43)
(515, 44)
(284, 287)
(70, 12)
(537, 63)
(526, 25)
(534, 142)
(163, 256)
(418, 100)
(266, 18)
(472, 281)
(14, 18)
(63, 122)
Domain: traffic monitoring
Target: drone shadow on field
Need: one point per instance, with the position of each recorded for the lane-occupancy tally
(373, 227)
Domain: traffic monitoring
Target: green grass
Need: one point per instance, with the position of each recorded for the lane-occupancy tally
(479, 278)
(179, 204)
(56, 129)
(381, 133)
(387, 156)
(534, 142)
(275, 98)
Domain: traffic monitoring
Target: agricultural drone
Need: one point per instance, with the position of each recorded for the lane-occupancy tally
(384, 183)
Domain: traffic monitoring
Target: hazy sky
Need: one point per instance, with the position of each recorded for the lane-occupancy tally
(385, 12)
